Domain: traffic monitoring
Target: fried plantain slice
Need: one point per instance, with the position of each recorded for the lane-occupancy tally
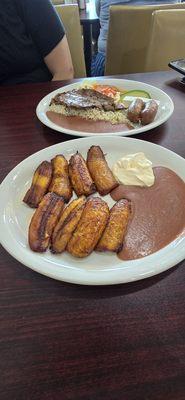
(90, 228)
(100, 171)
(43, 221)
(66, 225)
(80, 178)
(39, 186)
(113, 235)
(60, 183)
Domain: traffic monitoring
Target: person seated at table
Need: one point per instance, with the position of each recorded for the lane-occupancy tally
(33, 44)
(102, 10)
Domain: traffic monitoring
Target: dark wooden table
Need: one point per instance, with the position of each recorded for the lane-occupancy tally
(91, 27)
(65, 342)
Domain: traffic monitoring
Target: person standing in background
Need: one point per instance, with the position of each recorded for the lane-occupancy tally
(102, 10)
(33, 46)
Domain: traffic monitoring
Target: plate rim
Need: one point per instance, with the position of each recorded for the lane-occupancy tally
(45, 120)
(91, 274)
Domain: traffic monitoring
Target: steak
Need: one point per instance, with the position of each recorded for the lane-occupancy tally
(84, 99)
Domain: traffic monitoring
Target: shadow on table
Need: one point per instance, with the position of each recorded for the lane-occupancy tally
(80, 291)
(176, 83)
(26, 277)
(156, 135)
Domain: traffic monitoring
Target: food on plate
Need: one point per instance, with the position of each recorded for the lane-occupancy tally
(134, 169)
(149, 212)
(60, 183)
(100, 171)
(135, 93)
(113, 235)
(78, 124)
(143, 112)
(80, 177)
(134, 110)
(90, 228)
(107, 90)
(67, 224)
(92, 101)
(44, 220)
(39, 186)
(89, 104)
(149, 112)
(158, 214)
(86, 98)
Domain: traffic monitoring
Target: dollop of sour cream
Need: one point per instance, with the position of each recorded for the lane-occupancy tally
(134, 169)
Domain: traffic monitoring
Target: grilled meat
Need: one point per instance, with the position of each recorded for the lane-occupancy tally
(39, 186)
(43, 221)
(90, 228)
(86, 98)
(100, 171)
(113, 235)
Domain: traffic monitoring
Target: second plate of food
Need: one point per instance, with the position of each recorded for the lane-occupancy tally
(156, 221)
(101, 107)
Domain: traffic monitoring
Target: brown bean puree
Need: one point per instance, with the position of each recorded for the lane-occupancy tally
(158, 214)
(79, 124)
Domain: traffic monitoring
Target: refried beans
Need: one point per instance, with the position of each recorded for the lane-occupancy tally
(79, 124)
(158, 214)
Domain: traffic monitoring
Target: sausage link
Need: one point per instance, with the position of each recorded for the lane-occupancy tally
(134, 110)
(149, 112)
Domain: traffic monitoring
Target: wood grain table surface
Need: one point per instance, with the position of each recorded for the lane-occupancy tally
(60, 341)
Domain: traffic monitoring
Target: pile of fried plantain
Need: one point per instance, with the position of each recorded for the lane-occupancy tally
(86, 223)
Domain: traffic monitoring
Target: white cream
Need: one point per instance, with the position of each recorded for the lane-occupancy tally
(134, 169)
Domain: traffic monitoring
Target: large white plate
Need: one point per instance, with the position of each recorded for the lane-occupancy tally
(97, 268)
(165, 110)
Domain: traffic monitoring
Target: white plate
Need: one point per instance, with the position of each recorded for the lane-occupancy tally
(97, 269)
(165, 110)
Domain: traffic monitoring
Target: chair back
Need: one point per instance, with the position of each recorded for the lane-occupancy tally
(128, 37)
(56, 2)
(166, 39)
(69, 15)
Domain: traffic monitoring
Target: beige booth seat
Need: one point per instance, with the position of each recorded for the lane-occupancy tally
(128, 37)
(166, 39)
(69, 15)
(56, 2)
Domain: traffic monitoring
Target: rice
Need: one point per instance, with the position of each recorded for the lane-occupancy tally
(115, 117)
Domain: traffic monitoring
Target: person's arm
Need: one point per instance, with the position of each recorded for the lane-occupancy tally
(47, 31)
(59, 61)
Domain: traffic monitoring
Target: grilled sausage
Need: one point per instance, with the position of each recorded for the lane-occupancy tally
(149, 112)
(80, 178)
(113, 235)
(39, 186)
(100, 171)
(43, 221)
(134, 110)
(60, 183)
(90, 228)
(67, 224)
